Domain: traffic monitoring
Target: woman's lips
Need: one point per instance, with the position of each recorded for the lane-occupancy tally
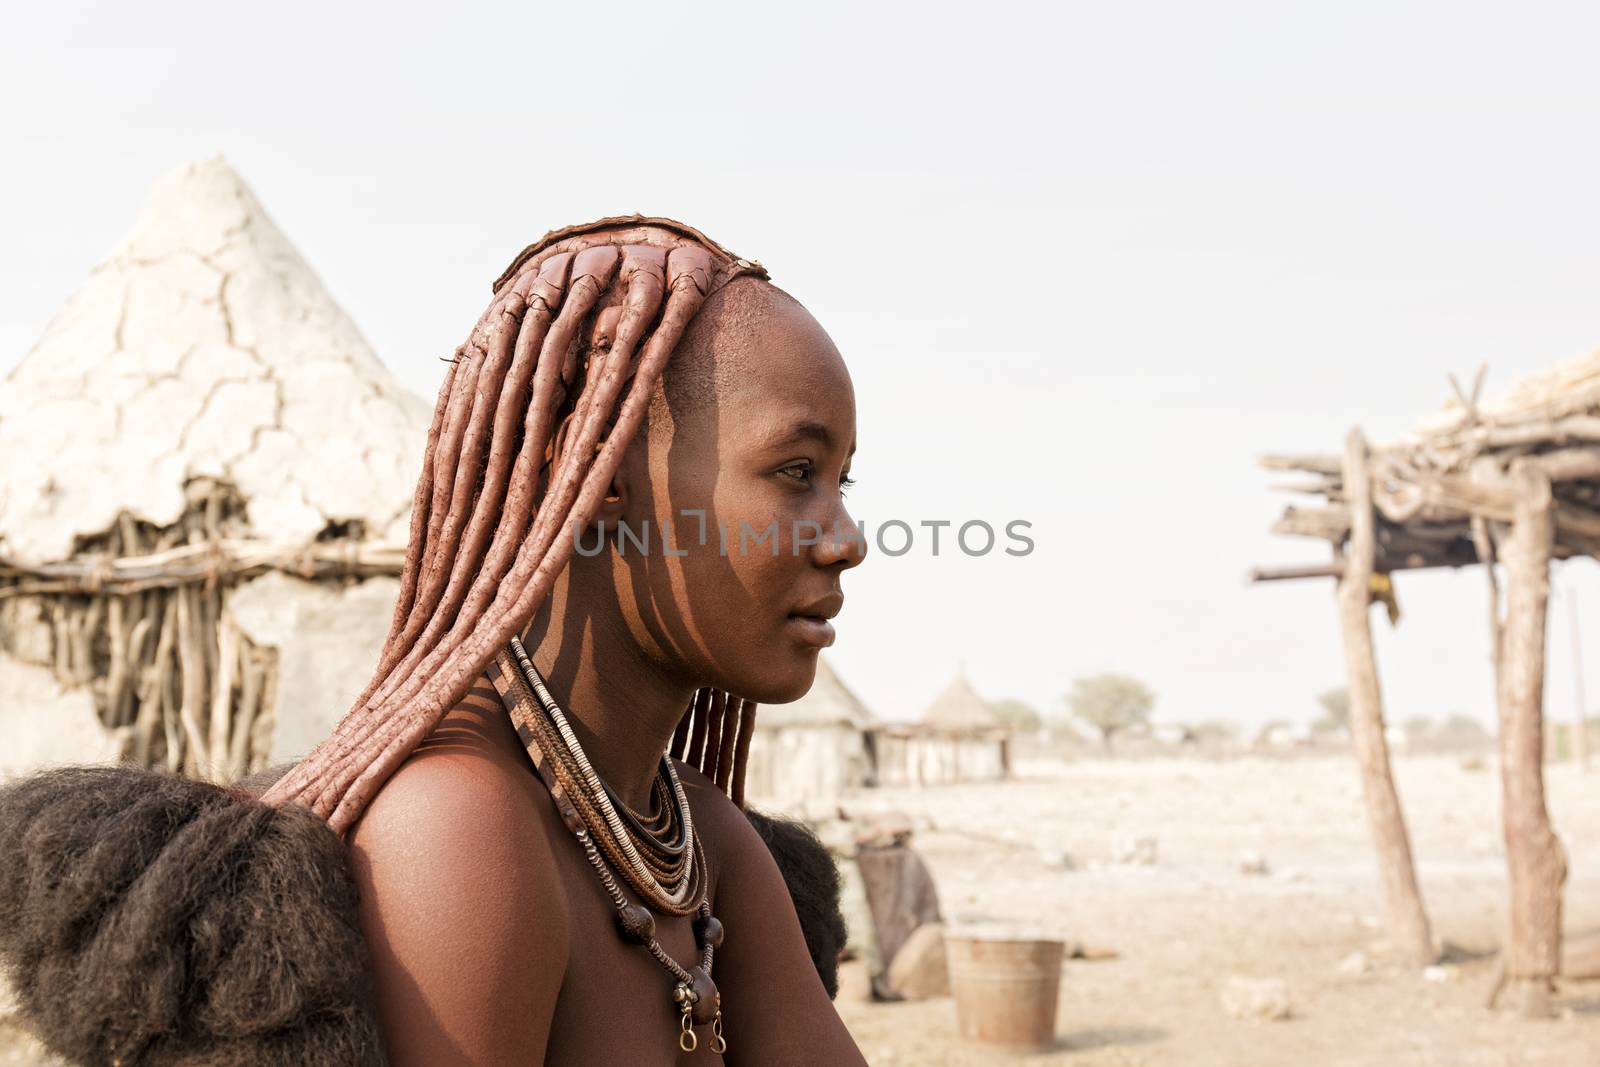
(812, 629)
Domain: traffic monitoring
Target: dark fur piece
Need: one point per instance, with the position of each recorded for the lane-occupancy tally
(150, 919)
(813, 879)
(147, 919)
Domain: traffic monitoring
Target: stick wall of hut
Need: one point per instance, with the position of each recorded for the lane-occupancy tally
(1534, 854)
(1580, 730)
(1404, 914)
(142, 619)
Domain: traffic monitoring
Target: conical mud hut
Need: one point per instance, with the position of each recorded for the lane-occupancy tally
(810, 751)
(205, 491)
(961, 738)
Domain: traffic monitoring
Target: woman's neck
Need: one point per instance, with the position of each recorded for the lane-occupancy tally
(622, 707)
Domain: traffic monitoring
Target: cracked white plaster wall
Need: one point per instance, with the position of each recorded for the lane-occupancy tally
(204, 345)
(46, 725)
(328, 642)
(228, 418)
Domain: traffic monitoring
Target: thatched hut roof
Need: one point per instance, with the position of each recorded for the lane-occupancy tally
(829, 702)
(203, 347)
(1459, 464)
(960, 708)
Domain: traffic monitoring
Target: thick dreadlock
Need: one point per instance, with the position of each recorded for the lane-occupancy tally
(515, 463)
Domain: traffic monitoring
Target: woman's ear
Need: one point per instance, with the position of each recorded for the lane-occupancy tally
(616, 498)
(614, 505)
(612, 511)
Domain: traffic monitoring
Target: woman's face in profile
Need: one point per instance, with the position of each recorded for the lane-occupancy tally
(748, 479)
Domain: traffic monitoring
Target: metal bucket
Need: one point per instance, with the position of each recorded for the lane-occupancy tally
(1005, 988)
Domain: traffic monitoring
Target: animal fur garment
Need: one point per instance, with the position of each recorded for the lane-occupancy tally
(813, 880)
(149, 919)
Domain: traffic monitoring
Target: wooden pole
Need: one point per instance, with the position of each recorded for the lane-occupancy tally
(1580, 737)
(1404, 915)
(1534, 856)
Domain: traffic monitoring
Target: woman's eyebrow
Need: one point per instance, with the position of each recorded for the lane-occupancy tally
(809, 430)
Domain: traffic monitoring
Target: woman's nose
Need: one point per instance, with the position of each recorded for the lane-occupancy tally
(842, 542)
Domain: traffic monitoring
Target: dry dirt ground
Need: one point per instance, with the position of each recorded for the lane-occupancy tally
(1183, 925)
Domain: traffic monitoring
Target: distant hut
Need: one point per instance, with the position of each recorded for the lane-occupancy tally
(813, 749)
(204, 503)
(961, 738)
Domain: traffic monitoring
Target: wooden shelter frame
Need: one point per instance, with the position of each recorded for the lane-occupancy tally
(1512, 487)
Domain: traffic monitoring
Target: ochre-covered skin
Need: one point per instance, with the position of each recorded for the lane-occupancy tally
(475, 572)
(492, 944)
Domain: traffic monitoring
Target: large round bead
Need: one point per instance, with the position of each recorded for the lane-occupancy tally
(705, 992)
(708, 930)
(637, 924)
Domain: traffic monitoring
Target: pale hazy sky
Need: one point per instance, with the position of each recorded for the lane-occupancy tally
(1085, 266)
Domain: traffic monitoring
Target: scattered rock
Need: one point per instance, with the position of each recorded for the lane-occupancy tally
(1256, 999)
(1253, 863)
(1058, 860)
(1356, 964)
(1137, 851)
(1079, 951)
(918, 970)
(1440, 973)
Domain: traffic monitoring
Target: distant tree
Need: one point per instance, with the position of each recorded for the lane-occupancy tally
(1018, 714)
(1111, 702)
(1335, 711)
(1419, 726)
(1462, 731)
(1215, 730)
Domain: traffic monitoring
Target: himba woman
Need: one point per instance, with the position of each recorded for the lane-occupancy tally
(629, 531)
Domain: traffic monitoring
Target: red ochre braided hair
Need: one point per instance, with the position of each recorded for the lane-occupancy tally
(562, 363)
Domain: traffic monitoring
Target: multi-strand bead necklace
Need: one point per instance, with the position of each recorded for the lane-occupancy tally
(657, 854)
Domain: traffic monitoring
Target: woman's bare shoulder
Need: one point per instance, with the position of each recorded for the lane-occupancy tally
(461, 793)
(461, 903)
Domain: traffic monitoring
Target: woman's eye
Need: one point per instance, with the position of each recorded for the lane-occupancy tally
(845, 482)
(800, 472)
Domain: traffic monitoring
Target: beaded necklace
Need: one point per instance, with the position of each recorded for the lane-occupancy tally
(658, 855)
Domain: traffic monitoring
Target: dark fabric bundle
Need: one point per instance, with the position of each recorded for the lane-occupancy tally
(151, 919)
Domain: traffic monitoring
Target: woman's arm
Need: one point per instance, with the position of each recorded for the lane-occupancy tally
(466, 967)
(775, 1009)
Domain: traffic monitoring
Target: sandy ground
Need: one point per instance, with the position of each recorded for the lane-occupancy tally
(1184, 924)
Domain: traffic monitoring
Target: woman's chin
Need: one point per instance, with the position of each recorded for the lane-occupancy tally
(783, 679)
